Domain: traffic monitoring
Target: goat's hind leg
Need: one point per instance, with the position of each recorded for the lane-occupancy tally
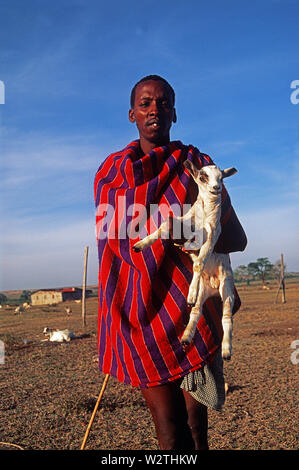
(194, 284)
(199, 263)
(226, 290)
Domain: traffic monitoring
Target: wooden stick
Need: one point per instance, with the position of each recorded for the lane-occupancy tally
(84, 286)
(283, 298)
(94, 411)
(11, 444)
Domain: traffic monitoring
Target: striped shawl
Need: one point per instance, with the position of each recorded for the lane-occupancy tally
(142, 296)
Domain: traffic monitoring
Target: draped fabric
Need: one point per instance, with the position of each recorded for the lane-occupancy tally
(142, 296)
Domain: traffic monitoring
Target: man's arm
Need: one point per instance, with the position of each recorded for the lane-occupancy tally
(232, 237)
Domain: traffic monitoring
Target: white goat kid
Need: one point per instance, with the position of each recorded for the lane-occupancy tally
(59, 335)
(212, 273)
(68, 310)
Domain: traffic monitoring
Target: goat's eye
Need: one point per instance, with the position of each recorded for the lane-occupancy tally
(203, 179)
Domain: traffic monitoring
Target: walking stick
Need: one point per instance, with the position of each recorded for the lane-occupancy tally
(94, 411)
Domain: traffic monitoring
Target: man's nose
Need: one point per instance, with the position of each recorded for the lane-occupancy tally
(154, 108)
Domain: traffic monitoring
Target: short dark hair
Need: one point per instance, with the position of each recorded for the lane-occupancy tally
(147, 79)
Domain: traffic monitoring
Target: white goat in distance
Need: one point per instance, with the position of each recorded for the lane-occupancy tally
(19, 309)
(68, 310)
(212, 272)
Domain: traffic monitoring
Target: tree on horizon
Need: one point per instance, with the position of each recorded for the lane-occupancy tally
(261, 268)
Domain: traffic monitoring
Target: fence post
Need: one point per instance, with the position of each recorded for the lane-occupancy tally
(281, 282)
(283, 298)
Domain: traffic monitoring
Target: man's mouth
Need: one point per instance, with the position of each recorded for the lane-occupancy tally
(154, 123)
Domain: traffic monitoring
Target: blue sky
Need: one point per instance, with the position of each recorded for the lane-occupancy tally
(68, 68)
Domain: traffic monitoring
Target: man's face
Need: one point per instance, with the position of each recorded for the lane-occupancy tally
(153, 113)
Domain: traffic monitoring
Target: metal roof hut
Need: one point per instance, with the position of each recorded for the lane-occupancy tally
(54, 296)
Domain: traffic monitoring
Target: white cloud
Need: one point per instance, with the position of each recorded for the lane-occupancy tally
(271, 232)
(42, 152)
(35, 256)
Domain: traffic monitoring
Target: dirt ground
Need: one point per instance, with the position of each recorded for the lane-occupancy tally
(49, 390)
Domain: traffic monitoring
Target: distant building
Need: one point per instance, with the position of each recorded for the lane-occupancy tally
(54, 296)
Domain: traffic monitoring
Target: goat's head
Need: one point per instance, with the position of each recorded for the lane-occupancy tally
(209, 177)
(47, 331)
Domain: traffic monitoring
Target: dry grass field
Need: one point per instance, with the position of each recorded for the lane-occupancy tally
(48, 390)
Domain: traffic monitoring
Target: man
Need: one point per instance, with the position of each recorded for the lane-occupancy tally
(142, 296)
(152, 109)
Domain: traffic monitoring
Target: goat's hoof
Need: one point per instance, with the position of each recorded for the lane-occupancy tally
(185, 342)
(137, 248)
(226, 356)
(191, 300)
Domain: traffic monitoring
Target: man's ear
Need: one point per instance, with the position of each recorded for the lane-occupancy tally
(174, 116)
(132, 115)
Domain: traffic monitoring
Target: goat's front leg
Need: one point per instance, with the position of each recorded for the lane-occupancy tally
(195, 315)
(226, 290)
(168, 229)
(162, 231)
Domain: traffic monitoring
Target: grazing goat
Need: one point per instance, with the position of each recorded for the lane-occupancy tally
(58, 335)
(212, 272)
(19, 309)
(68, 310)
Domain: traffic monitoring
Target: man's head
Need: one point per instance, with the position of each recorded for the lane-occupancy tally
(151, 78)
(152, 109)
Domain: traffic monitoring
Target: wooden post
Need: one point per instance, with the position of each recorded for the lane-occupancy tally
(282, 280)
(84, 286)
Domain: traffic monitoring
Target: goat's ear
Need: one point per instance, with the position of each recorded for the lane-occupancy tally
(191, 168)
(228, 172)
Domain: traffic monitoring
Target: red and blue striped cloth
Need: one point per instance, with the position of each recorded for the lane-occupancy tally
(142, 296)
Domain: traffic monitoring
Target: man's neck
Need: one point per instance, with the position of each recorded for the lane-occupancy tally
(146, 146)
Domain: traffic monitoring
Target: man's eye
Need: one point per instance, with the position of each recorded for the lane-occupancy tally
(144, 104)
